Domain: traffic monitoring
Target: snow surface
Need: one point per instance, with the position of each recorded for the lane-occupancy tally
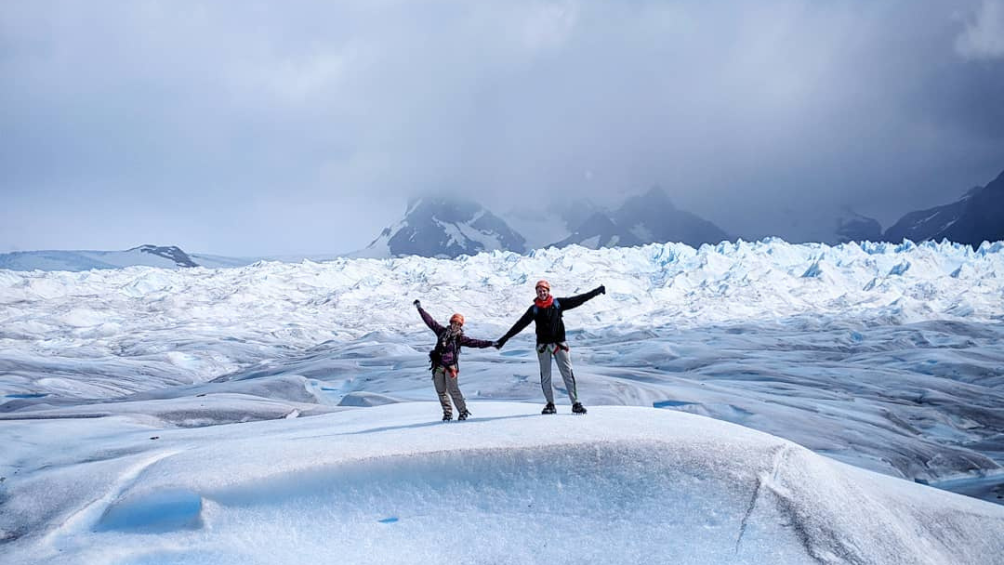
(387, 485)
(294, 421)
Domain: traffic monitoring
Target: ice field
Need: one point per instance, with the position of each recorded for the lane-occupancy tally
(749, 403)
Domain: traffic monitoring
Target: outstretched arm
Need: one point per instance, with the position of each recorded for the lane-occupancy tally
(519, 326)
(476, 343)
(429, 321)
(570, 302)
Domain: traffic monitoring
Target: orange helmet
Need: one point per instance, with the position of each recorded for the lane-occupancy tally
(542, 283)
(457, 318)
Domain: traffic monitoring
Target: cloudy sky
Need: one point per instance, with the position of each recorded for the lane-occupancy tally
(252, 127)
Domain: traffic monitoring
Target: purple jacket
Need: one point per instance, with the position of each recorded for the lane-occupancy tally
(449, 349)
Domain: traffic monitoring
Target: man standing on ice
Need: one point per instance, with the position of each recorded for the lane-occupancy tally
(445, 361)
(546, 312)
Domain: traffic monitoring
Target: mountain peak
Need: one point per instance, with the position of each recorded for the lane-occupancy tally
(170, 252)
(976, 217)
(852, 226)
(647, 218)
(446, 209)
(656, 194)
(444, 226)
(597, 231)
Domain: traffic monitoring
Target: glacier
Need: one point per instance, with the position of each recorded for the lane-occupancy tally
(749, 402)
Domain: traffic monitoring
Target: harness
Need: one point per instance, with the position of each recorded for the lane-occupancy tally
(436, 354)
(557, 346)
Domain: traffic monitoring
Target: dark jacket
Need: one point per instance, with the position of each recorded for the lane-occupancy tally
(447, 351)
(550, 327)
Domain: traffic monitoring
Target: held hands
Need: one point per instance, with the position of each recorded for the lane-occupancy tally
(498, 344)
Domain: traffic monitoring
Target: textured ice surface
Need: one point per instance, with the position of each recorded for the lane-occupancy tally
(131, 394)
(622, 484)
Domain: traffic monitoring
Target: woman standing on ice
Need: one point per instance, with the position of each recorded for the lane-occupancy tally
(546, 312)
(445, 358)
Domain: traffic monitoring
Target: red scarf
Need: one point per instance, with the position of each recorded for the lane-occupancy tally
(544, 303)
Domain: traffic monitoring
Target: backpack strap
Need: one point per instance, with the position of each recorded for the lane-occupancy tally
(553, 303)
(436, 354)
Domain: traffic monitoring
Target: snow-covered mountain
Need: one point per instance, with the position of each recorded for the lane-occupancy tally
(169, 257)
(599, 231)
(434, 228)
(855, 227)
(648, 218)
(976, 217)
(803, 220)
(543, 223)
(445, 227)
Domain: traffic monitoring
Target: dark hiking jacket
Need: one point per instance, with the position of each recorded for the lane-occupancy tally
(447, 351)
(550, 327)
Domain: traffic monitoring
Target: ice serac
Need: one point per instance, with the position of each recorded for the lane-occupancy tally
(444, 227)
(976, 217)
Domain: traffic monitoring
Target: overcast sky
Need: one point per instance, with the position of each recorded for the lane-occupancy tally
(250, 128)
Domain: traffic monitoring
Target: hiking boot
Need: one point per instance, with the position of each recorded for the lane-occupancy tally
(464, 414)
(549, 409)
(447, 417)
(578, 408)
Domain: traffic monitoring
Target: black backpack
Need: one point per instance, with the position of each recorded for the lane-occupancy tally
(436, 354)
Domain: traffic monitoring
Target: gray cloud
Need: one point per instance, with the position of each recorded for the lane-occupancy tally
(268, 127)
(983, 37)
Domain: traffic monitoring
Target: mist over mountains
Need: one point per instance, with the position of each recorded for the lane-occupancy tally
(448, 227)
(649, 218)
(444, 227)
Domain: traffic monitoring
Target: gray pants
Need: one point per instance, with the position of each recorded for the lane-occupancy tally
(559, 351)
(445, 379)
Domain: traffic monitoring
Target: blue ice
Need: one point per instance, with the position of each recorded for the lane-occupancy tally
(159, 511)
